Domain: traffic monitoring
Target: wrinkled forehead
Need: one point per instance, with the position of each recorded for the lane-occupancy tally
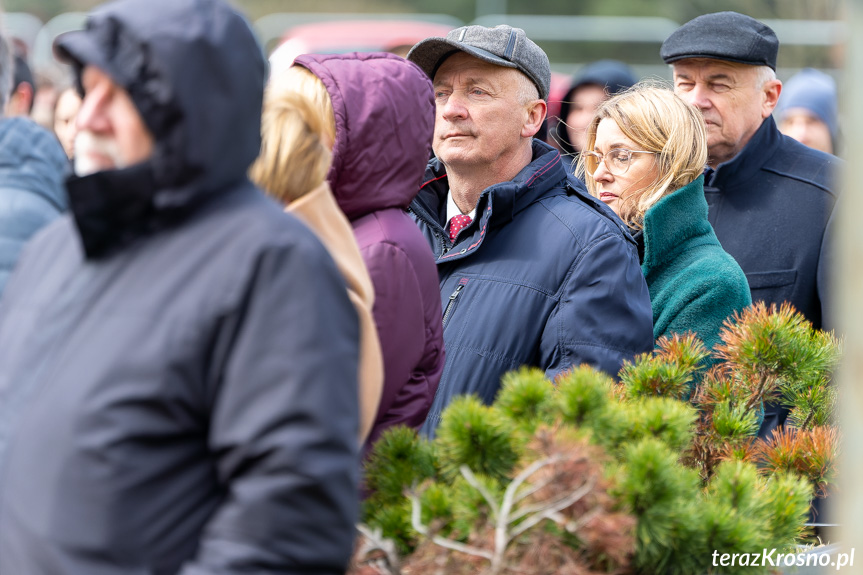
(708, 67)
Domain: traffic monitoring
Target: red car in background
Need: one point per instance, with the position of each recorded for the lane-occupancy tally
(397, 36)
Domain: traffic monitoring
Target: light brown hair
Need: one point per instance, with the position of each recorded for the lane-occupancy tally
(656, 120)
(297, 132)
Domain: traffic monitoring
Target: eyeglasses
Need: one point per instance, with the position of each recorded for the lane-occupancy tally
(617, 161)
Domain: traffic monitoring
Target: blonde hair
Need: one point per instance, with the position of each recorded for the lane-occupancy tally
(297, 131)
(656, 120)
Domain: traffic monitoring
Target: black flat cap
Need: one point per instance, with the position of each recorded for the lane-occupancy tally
(723, 36)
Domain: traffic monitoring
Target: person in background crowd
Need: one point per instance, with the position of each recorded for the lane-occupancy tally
(178, 358)
(44, 101)
(68, 104)
(20, 101)
(32, 167)
(295, 157)
(593, 85)
(647, 151)
(770, 198)
(808, 110)
(533, 270)
(379, 113)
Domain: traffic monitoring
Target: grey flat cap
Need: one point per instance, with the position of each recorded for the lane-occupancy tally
(502, 45)
(723, 36)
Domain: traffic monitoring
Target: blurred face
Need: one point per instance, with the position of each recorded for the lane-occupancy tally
(479, 121)
(640, 174)
(111, 133)
(583, 104)
(64, 120)
(806, 128)
(731, 98)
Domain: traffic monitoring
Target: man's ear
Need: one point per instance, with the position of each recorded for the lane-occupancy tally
(536, 112)
(771, 91)
(20, 101)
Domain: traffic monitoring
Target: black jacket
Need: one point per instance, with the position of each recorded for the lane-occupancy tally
(772, 209)
(546, 275)
(178, 384)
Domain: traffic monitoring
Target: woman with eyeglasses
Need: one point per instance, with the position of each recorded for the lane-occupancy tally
(646, 152)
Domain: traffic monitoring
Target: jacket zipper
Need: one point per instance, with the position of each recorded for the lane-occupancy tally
(449, 306)
(436, 230)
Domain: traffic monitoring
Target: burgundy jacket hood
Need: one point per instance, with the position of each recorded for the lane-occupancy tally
(385, 113)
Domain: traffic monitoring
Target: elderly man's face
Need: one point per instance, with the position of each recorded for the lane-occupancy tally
(111, 133)
(733, 98)
(481, 117)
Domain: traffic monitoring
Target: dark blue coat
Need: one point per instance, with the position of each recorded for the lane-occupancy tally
(771, 207)
(545, 276)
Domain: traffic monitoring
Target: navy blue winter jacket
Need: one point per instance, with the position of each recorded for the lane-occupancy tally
(32, 168)
(545, 276)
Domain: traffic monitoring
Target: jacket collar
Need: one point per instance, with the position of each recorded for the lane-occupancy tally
(750, 159)
(544, 172)
(497, 205)
(674, 220)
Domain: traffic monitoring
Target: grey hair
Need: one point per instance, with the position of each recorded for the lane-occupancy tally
(765, 74)
(6, 72)
(527, 90)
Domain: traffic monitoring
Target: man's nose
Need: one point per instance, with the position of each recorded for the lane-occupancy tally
(92, 116)
(699, 97)
(454, 107)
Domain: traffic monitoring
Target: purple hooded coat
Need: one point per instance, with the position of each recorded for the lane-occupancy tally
(385, 114)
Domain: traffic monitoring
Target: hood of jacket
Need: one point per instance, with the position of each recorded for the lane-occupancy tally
(385, 113)
(196, 74)
(31, 159)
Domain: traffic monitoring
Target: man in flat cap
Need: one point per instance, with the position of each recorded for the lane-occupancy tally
(771, 198)
(533, 270)
(178, 357)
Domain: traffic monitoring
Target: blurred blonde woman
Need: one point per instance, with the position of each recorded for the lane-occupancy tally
(292, 167)
(645, 156)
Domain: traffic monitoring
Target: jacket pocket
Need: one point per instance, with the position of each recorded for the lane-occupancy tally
(775, 279)
(453, 300)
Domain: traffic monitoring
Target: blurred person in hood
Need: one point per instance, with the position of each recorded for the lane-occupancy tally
(591, 86)
(178, 358)
(377, 115)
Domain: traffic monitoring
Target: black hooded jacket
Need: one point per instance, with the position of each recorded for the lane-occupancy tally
(178, 385)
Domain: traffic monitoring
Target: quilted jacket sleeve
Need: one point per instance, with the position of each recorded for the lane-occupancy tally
(604, 314)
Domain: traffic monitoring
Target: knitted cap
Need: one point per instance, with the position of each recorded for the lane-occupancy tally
(814, 91)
